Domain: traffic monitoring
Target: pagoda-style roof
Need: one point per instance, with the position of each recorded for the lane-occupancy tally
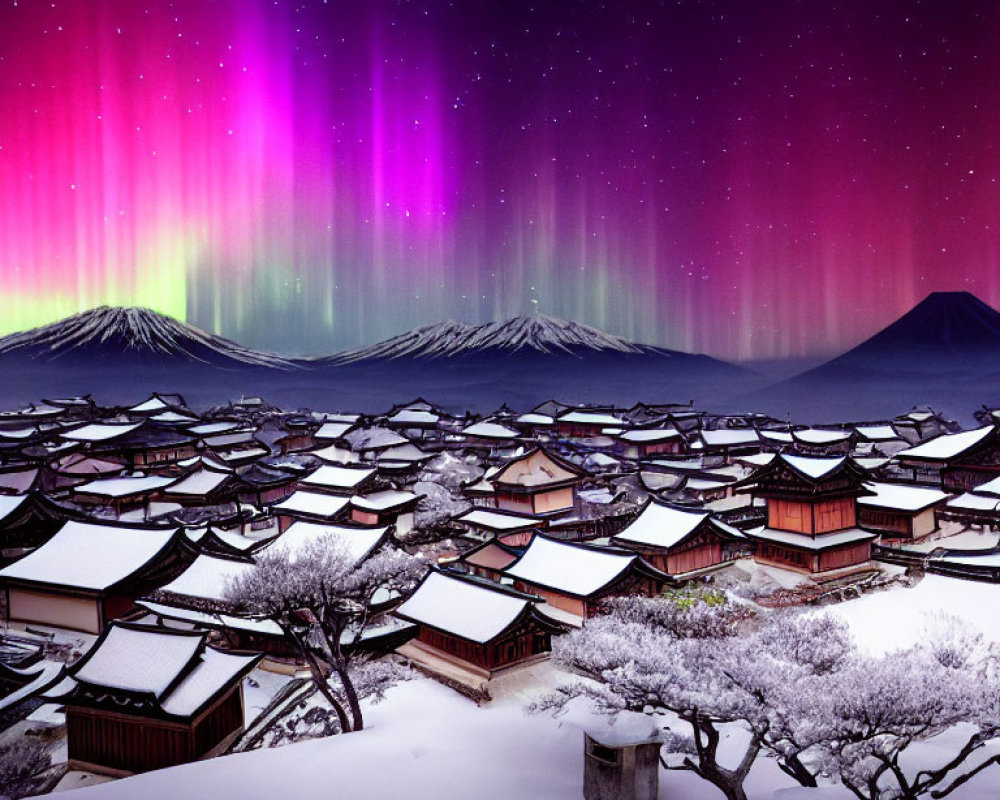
(661, 526)
(535, 470)
(803, 477)
(470, 608)
(152, 672)
(575, 569)
(951, 446)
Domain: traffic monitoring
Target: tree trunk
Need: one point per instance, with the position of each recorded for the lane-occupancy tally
(320, 679)
(340, 666)
(794, 767)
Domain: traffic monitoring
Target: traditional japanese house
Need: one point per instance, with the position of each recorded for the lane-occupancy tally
(340, 480)
(88, 574)
(387, 507)
(497, 440)
(135, 444)
(309, 506)
(678, 541)
(958, 461)
(299, 435)
(475, 624)
(485, 524)
(208, 485)
(646, 442)
(577, 577)
(72, 469)
(121, 495)
(811, 514)
(157, 403)
(583, 424)
(263, 485)
(537, 482)
(899, 511)
(144, 698)
(489, 559)
(730, 442)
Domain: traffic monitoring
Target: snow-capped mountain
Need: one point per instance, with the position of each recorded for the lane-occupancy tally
(538, 333)
(133, 335)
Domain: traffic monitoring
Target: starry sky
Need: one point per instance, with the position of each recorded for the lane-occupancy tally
(750, 180)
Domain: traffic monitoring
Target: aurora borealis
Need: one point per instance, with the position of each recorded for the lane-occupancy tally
(751, 180)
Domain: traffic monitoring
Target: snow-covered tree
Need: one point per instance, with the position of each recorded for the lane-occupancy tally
(322, 598)
(700, 663)
(796, 686)
(880, 707)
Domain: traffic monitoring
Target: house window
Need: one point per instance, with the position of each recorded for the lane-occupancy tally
(606, 755)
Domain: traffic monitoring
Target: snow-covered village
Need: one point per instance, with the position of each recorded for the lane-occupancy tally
(560, 601)
(499, 400)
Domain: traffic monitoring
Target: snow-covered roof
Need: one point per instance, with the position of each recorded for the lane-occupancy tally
(382, 501)
(403, 453)
(877, 433)
(819, 436)
(463, 608)
(650, 435)
(493, 520)
(807, 542)
(320, 505)
(536, 419)
(203, 618)
(728, 437)
(18, 433)
(199, 482)
(590, 418)
(758, 459)
(814, 468)
(214, 671)
(124, 486)
(412, 416)
(489, 430)
(573, 569)
(974, 502)
(536, 468)
(173, 416)
(777, 436)
(134, 660)
(88, 556)
(990, 487)
(173, 666)
(661, 526)
(99, 432)
(209, 428)
(903, 498)
(948, 445)
(333, 430)
(335, 477)
(208, 577)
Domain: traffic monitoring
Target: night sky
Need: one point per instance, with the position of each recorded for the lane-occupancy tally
(746, 179)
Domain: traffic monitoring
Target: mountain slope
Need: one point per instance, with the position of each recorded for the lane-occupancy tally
(944, 351)
(945, 330)
(134, 336)
(538, 334)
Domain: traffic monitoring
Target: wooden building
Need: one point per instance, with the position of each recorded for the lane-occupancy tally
(957, 461)
(309, 506)
(538, 482)
(89, 574)
(489, 559)
(678, 541)
(647, 442)
(586, 424)
(145, 698)
(388, 507)
(899, 511)
(577, 578)
(477, 623)
(811, 514)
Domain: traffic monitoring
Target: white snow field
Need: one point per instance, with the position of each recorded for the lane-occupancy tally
(424, 741)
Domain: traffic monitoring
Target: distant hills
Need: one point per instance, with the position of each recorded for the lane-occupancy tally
(945, 351)
(115, 352)
(109, 336)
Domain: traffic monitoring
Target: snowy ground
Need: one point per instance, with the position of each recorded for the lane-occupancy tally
(426, 741)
